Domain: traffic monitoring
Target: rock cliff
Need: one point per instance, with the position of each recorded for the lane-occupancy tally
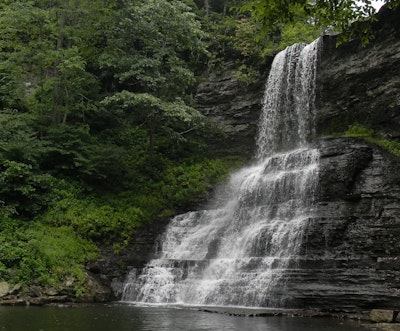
(234, 107)
(358, 84)
(351, 252)
(351, 249)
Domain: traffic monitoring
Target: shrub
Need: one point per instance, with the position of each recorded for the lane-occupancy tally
(43, 254)
(358, 130)
(94, 219)
(23, 190)
(56, 253)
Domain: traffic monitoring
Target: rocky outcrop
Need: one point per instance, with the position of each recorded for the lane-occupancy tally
(351, 251)
(350, 257)
(36, 295)
(358, 84)
(112, 269)
(234, 109)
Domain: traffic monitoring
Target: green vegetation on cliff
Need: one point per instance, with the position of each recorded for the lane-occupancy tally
(361, 131)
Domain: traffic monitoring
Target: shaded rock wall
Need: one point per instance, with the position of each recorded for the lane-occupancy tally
(351, 251)
(359, 84)
(234, 107)
(112, 269)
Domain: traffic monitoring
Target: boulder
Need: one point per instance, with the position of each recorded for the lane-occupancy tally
(4, 289)
(381, 315)
(16, 289)
(96, 291)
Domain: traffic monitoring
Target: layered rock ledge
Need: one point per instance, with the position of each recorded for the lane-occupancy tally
(234, 107)
(351, 250)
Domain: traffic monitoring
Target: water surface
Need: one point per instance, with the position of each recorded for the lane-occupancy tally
(133, 318)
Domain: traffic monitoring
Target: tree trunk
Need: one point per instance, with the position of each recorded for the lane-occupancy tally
(207, 8)
(150, 123)
(60, 39)
(57, 118)
(225, 8)
(65, 117)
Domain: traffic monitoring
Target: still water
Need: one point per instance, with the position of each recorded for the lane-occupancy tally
(133, 318)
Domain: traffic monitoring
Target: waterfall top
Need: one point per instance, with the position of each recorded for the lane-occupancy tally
(287, 118)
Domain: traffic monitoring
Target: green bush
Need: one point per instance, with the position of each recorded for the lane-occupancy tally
(24, 190)
(13, 249)
(186, 183)
(95, 220)
(389, 145)
(358, 130)
(113, 219)
(56, 254)
(43, 254)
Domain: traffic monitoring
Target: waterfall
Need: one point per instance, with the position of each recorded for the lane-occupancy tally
(237, 252)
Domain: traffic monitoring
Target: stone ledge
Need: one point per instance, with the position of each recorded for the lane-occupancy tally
(266, 312)
(383, 326)
(36, 301)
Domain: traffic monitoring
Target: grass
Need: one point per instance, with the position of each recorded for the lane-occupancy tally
(358, 130)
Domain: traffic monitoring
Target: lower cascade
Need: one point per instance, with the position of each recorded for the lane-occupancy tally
(238, 252)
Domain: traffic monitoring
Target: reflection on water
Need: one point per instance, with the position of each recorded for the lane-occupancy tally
(133, 318)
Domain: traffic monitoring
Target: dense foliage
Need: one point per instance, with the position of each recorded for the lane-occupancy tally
(99, 133)
(338, 16)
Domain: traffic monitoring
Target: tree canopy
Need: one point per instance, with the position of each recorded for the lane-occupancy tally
(98, 128)
(337, 15)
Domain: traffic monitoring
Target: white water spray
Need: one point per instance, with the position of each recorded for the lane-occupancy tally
(237, 253)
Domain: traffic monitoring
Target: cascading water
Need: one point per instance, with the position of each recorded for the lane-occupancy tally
(237, 252)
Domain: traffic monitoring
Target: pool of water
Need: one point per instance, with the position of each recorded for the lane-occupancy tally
(135, 318)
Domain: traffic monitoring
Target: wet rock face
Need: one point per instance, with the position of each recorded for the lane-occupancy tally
(112, 269)
(341, 163)
(359, 84)
(234, 108)
(351, 249)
